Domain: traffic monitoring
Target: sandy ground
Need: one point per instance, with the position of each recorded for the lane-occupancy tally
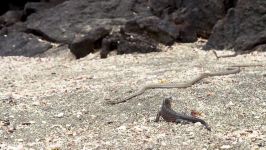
(56, 102)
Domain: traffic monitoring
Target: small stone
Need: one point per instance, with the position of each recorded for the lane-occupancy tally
(151, 119)
(69, 133)
(197, 124)
(60, 115)
(4, 123)
(256, 117)
(230, 104)
(37, 103)
(68, 125)
(122, 128)
(20, 140)
(93, 116)
(26, 123)
(79, 114)
(225, 147)
(163, 143)
(32, 122)
(137, 129)
(37, 140)
(11, 129)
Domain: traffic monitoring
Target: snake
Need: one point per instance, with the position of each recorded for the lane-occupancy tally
(230, 70)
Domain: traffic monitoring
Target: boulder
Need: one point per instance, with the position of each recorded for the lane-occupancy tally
(242, 29)
(75, 18)
(200, 15)
(87, 44)
(21, 44)
(161, 30)
(11, 17)
(126, 42)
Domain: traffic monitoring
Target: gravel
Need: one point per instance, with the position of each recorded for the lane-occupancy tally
(56, 102)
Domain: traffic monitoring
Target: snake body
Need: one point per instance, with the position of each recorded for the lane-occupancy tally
(231, 70)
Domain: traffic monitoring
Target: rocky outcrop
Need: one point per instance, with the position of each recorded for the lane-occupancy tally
(22, 44)
(200, 15)
(75, 18)
(15, 38)
(163, 31)
(164, 21)
(242, 29)
(76, 22)
(126, 42)
(87, 44)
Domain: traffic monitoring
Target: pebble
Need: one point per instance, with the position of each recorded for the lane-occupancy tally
(36, 103)
(79, 114)
(20, 140)
(122, 128)
(60, 115)
(225, 147)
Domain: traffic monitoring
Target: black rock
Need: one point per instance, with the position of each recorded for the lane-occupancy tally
(201, 15)
(126, 43)
(161, 30)
(75, 18)
(21, 44)
(85, 45)
(242, 29)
